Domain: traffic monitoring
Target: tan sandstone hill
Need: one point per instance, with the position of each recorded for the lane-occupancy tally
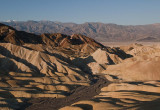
(75, 72)
(144, 65)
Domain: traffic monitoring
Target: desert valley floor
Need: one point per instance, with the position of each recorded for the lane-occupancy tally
(57, 71)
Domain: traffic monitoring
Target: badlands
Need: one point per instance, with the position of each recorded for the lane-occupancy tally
(62, 72)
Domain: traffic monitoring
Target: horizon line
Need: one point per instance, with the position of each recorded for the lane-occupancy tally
(77, 23)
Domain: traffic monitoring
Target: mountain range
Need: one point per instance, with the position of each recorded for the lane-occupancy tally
(98, 31)
(54, 71)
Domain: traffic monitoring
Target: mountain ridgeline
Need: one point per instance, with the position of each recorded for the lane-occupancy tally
(98, 31)
(54, 71)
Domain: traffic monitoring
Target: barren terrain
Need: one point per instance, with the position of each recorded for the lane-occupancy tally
(57, 71)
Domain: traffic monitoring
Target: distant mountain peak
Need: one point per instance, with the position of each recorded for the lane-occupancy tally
(11, 21)
(99, 31)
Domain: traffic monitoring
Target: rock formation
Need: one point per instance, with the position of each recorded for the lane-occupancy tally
(37, 71)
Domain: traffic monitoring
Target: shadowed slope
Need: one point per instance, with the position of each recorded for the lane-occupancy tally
(10, 35)
(60, 73)
(74, 44)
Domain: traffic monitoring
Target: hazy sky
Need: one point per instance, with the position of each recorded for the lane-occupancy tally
(79, 11)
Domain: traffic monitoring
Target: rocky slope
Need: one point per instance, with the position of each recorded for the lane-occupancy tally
(76, 72)
(143, 66)
(135, 86)
(33, 66)
(99, 31)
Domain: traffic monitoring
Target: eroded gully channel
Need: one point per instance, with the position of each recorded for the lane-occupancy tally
(79, 94)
